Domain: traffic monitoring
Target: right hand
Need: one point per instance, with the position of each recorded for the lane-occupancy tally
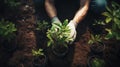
(72, 26)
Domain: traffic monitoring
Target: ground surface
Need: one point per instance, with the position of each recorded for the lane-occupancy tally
(78, 52)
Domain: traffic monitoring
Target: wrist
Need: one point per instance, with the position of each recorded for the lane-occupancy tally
(74, 23)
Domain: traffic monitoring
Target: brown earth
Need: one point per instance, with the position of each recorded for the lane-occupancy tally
(78, 53)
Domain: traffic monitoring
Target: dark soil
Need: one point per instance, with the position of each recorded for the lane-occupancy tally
(60, 49)
(78, 53)
(40, 60)
(97, 47)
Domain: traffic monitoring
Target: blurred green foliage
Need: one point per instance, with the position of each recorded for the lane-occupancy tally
(113, 17)
(94, 39)
(7, 29)
(37, 53)
(42, 26)
(96, 62)
(12, 3)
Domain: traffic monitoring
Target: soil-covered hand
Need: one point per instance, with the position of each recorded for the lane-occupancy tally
(72, 26)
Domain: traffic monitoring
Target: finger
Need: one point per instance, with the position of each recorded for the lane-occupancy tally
(74, 35)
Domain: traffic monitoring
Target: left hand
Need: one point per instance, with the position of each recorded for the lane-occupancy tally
(72, 26)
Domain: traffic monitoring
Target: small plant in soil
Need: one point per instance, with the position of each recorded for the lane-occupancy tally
(42, 26)
(96, 62)
(7, 30)
(41, 29)
(98, 27)
(58, 38)
(39, 58)
(96, 43)
(12, 3)
(8, 35)
(113, 21)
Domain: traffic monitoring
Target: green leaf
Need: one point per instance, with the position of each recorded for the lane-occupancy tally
(38, 52)
(116, 20)
(109, 30)
(108, 19)
(49, 43)
(92, 37)
(65, 22)
(90, 42)
(108, 9)
(109, 36)
(107, 14)
(116, 4)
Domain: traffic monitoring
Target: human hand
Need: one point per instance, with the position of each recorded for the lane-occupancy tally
(72, 26)
(55, 20)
